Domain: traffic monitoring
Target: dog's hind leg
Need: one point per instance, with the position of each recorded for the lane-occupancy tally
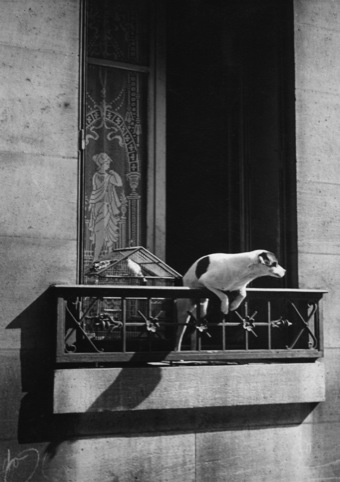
(186, 308)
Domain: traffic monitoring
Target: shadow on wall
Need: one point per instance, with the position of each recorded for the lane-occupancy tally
(37, 348)
(127, 392)
(37, 422)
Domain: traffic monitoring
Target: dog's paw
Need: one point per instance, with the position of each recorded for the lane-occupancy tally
(225, 308)
(236, 303)
(234, 306)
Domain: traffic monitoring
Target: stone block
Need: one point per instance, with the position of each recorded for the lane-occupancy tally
(318, 218)
(83, 390)
(41, 24)
(295, 454)
(40, 194)
(317, 119)
(329, 410)
(28, 267)
(315, 169)
(316, 56)
(316, 270)
(323, 14)
(144, 458)
(39, 106)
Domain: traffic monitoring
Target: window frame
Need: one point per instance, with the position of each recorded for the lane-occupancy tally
(156, 192)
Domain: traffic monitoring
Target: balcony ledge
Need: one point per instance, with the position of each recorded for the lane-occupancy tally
(84, 390)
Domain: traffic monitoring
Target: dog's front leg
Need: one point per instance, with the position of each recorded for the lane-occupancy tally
(242, 293)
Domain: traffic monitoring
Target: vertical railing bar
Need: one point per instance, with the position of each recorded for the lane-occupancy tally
(148, 315)
(98, 307)
(269, 325)
(198, 337)
(314, 323)
(319, 314)
(123, 302)
(311, 323)
(223, 333)
(149, 310)
(246, 332)
(61, 316)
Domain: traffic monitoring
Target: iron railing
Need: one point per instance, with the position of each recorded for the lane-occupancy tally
(133, 324)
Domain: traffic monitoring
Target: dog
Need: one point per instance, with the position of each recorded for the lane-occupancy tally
(223, 273)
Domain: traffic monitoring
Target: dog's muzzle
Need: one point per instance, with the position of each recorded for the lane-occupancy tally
(278, 271)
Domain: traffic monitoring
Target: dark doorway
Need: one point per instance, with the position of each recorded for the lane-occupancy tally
(230, 130)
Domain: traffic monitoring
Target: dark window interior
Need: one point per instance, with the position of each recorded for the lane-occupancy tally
(230, 131)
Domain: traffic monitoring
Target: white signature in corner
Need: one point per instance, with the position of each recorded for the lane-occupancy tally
(28, 459)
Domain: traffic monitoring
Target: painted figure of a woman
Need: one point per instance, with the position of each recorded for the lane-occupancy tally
(104, 205)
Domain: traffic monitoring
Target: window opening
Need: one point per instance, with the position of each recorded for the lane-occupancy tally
(234, 132)
(231, 131)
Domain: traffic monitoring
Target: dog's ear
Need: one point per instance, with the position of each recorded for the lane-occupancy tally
(267, 258)
(263, 258)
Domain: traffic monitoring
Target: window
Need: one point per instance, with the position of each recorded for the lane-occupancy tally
(228, 183)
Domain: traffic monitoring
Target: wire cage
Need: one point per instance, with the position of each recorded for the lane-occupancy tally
(132, 266)
(125, 266)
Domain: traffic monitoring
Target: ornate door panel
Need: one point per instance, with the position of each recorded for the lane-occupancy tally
(115, 161)
(116, 119)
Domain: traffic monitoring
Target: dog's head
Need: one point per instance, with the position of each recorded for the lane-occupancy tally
(269, 265)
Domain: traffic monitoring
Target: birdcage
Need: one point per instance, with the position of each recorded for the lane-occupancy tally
(125, 266)
(132, 266)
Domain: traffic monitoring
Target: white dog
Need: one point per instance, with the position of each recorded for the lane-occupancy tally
(223, 273)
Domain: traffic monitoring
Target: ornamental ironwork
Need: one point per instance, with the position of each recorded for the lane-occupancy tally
(129, 324)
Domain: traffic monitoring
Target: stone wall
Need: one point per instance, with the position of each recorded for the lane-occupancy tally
(317, 43)
(38, 216)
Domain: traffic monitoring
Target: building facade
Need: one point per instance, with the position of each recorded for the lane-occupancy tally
(42, 244)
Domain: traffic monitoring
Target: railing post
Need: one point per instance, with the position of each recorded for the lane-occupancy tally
(61, 316)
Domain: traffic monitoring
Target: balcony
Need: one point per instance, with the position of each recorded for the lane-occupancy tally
(132, 325)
